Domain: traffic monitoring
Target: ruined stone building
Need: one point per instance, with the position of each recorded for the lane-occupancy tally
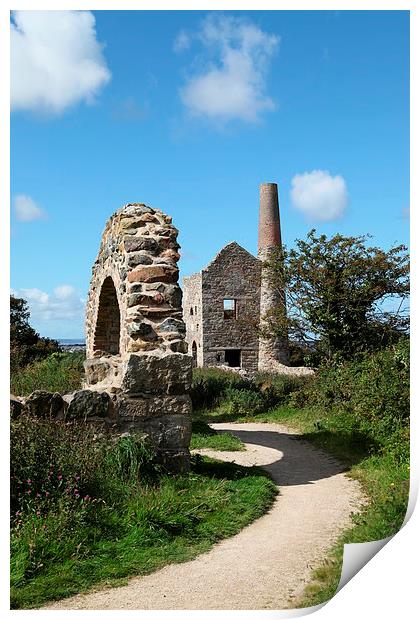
(225, 303)
(135, 335)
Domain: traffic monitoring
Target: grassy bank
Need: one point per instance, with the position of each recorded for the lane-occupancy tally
(89, 510)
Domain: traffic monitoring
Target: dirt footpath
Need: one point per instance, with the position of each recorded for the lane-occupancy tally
(268, 563)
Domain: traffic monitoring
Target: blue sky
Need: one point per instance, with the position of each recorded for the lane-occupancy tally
(189, 112)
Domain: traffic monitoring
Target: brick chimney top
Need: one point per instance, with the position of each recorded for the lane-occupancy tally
(269, 221)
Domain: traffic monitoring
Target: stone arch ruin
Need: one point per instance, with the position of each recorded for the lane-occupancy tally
(135, 335)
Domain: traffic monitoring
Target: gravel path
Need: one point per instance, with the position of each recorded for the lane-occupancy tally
(267, 564)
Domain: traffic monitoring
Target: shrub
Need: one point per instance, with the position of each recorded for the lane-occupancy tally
(244, 401)
(276, 388)
(26, 345)
(60, 372)
(210, 384)
(370, 393)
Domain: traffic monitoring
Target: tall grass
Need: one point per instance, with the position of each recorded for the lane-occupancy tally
(233, 395)
(60, 372)
(89, 509)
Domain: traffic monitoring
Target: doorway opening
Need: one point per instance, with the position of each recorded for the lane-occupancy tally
(107, 331)
(233, 358)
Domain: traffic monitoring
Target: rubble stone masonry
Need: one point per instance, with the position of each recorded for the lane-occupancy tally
(135, 334)
(233, 276)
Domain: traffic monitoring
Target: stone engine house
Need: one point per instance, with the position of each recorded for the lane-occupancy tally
(222, 309)
(225, 303)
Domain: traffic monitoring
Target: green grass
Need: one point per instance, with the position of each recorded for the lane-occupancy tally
(205, 437)
(387, 487)
(60, 372)
(174, 521)
(383, 476)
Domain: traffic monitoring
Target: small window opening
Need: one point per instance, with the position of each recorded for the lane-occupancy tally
(194, 353)
(233, 358)
(196, 309)
(230, 308)
(191, 311)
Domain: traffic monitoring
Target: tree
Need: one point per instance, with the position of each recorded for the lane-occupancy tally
(26, 345)
(337, 293)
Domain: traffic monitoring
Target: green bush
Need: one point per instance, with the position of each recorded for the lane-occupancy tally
(60, 372)
(277, 388)
(26, 345)
(235, 395)
(67, 484)
(244, 402)
(210, 384)
(370, 394)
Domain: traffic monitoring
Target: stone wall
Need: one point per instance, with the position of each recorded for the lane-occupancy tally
(193, 316)
(135, 335)
(234, 274)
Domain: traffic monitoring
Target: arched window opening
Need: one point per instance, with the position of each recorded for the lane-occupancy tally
(107, 332)
(194, 353)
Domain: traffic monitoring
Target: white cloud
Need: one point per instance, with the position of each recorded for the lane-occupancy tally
(64, 291)
(182, 42)
(56, 60)
(232, 84)
(26, 209)
(64, 305)
(319, 195)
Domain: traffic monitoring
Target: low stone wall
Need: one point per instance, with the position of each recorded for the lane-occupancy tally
(164, 421)
(273, 366)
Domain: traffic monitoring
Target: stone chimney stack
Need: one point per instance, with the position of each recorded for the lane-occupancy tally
(269, 235)
(272, 351)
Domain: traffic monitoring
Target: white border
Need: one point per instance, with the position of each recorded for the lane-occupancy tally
(387, 586)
